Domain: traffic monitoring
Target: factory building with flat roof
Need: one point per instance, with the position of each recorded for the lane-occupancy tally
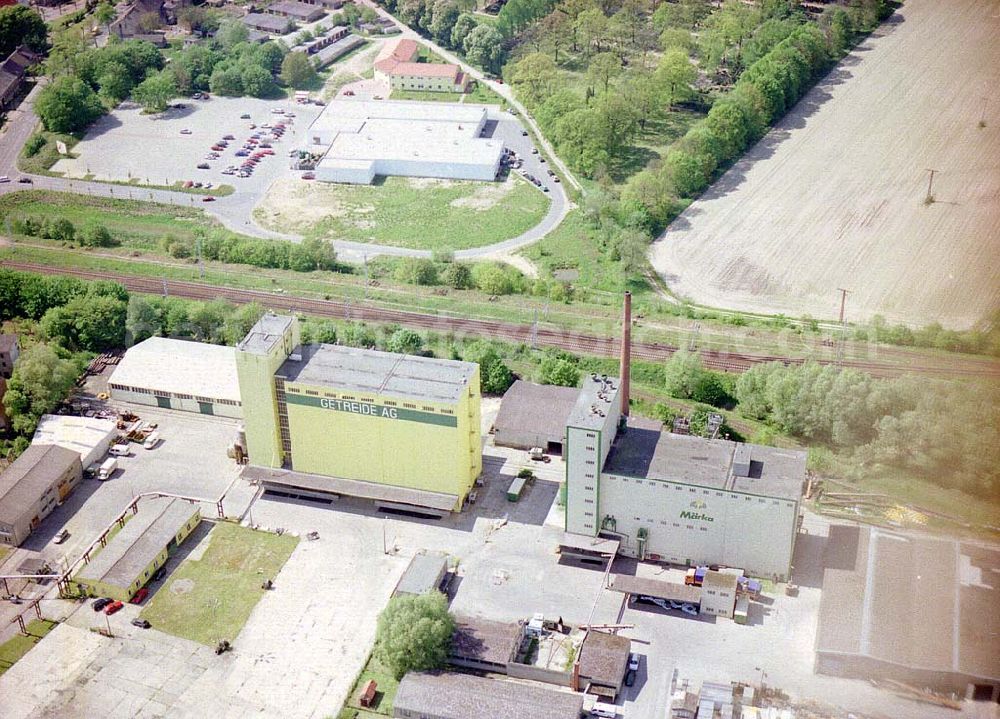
(676, 498)
(361, 140)
(325, 419)
(178, 374)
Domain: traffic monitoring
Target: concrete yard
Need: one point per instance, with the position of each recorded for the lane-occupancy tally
(834, 195)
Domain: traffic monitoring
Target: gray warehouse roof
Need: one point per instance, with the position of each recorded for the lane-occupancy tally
(271, 23)
(485, 640)
(423, 574)
(914, 601)
(372, 372)
(297, 10)
(604, 657)
(143, 537)
(645, 450)
(24, 481)
(462, 696)
(536, 409)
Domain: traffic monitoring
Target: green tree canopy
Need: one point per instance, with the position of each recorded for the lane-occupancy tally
(494, 376)
(414, 633)
(67, 104)
(40, 381)
(405, 342)
(92, 323)
(21, 25)
(297, 71)
(156, 91)
(558, 371)
(682, 374)
(484, 47)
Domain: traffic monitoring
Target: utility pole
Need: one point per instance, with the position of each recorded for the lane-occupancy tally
(534, 331)
(365, 256)
(843, 325)
(930, 187)
(165, 287)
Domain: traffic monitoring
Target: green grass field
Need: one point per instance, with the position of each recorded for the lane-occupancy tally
(403, 212)
(141, 224)
(15, 648)
(211, 598)
(387, 686)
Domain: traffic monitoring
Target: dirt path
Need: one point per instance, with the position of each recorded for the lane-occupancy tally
(834, 195)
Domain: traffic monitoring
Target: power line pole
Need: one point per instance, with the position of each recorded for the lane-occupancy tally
(843, 325)
(930, 187)
(366, 275)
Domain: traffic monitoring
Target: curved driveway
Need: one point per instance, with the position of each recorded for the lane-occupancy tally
(235, 211)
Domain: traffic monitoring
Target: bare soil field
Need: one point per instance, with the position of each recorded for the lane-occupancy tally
(834, 195)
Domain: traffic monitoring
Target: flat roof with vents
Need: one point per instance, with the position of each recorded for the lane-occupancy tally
(645, 450)
(371, 372)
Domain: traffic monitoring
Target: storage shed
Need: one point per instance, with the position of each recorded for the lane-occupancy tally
(424, 574)
(90, 437)
(141, 547)
(534, 415)
(177, 374)
(443, 695)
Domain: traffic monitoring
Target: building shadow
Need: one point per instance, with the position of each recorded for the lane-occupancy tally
(42, 535)
(808, 560)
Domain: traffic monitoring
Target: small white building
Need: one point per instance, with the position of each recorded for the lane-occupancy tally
(366, 139)
(178, 374)
(90, 437)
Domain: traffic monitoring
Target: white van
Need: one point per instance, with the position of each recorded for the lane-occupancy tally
(151, 440)
(601, 709)
(119, 450)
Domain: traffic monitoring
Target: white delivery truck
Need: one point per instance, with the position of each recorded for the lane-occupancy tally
(107, 469)
(119, 450)
(151, 440)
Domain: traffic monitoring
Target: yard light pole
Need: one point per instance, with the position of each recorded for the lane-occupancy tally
(763, 675)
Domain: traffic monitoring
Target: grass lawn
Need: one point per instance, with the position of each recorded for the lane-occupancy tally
(426, 96)
(135, 223)
(211, 598)
(387, 686)
(14, 649)
(407, 212)
(43, 159)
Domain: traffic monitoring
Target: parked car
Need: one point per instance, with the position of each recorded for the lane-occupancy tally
(534, 150)
(61, 537)
(25, 180)
(203, 166)
(630, 677)
(185, 131)
(140, 596)
(228, 137)
(4, 178)
(141, 623)
(115, 606)
(308, 175)
(524, 133)
(100, 603)
(245, 116)
(349, 93)
(633, 662)
(207, 198)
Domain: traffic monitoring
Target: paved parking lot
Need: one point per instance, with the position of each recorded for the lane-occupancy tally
(126, 144)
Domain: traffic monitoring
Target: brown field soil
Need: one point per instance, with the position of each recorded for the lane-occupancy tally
(834, 195)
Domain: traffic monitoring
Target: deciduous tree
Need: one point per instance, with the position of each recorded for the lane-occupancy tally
(414, 633)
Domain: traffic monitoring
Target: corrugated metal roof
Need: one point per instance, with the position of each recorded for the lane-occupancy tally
(423, 574)
(654, 588)
(462, 696)
(142, 538)
(485, 640)
(379, 373)
(24, 481)
(542, 409)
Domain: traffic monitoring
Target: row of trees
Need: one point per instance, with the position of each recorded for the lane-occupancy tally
(495, 278)
(90, 234)
(306, 256)
(944, 431)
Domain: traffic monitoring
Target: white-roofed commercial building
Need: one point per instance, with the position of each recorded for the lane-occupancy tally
(177, 374)
(90, 437)
(366, 139)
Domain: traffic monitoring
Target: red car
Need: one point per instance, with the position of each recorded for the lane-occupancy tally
(139, 596)
(113, 607)
(209, 198)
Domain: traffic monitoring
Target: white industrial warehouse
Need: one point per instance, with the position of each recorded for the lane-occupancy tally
(89, 437)
(367, 139)
(177, 374)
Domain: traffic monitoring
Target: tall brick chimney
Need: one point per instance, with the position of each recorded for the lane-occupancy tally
(626, 362)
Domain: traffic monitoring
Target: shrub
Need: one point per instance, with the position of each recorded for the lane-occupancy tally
(34, 145)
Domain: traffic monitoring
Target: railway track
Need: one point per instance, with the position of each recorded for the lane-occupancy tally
(517, 333)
